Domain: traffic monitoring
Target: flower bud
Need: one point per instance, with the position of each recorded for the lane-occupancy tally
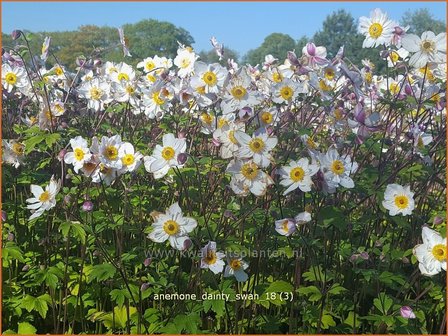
(407, 312)
(25, 268)
(144, 286)
(4, 216)
(438, 220)
(61, 154)
(87, 206)
(16, 34)
(147, 262)
(10, 236)
(182, 158)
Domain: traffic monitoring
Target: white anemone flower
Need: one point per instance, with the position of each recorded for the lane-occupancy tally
(80, 155)
(432, 254)
(377, 29)
(43, 199)
(236, 266)
(257, 146)
(427, 48)
(166, 156)
(172, 226)
(298, 175)
(337, 170)
(212, 260)
(398, 200)
(285, 227)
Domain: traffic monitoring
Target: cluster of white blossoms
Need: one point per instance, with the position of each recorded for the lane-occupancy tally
(104, 160)
(243, 110)
(214, 261)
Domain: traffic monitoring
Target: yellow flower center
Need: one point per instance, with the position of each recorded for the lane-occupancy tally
(428, 46)
(329, 73)
(156, 98)
(130, 90)
(277, 77)
(439, 252)
(59, 71)
(18, 148)
(401, 201)
(111, 152)
(44, 197)
(171, 227)
(323, 86)
(338, 114)
(375, 30)
(337, 167)
(200, 90)
(79, 154)
(95, 93)
(185, 63)
(285, 225)
(249, 170)
(297, 174)
(257, 145)
(150, 65)
(231, 136)
(151, 78)
(235, 264)
(222, 122)
(394, 88)
(286, 92)
(210, 258)
(266, 117)
(207, 118)
(128, 159)
(123, 76)
(394, 56)
(209, 78)
(238, 92)
(11, 78)
(311, 143)
(168, 153)
(368, 77)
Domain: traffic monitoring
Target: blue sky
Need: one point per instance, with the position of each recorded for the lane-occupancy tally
(239, 25)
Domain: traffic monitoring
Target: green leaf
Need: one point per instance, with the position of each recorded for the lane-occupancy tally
(336, 289)
(101, 272)
(331, 215)
(383, 303)
(41, 307)
(352, 320)
(28, 303)
(76, 228)
(280, 286)
(118, 296)
(327, 321)
(26, 329)
(312, 291)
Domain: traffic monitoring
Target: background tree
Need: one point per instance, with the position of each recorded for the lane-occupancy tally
(211, 56)
(276, 44)
(422, 20)
(152, 37)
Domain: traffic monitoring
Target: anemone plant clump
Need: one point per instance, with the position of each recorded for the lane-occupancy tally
(303, 196)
